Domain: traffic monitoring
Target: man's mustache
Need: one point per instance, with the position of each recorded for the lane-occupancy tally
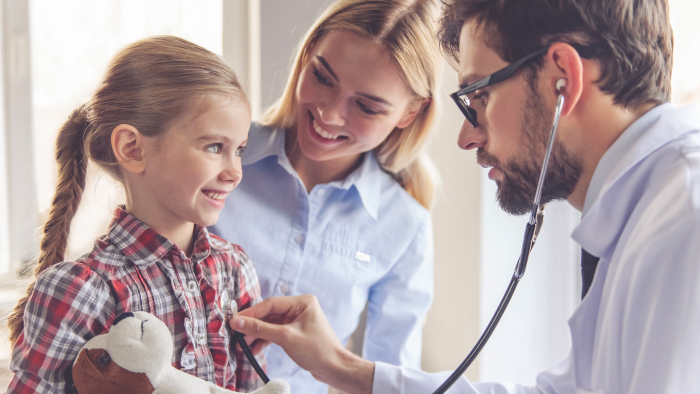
(486, 159)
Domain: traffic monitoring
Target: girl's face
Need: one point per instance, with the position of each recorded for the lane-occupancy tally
(350, 96)
(198, 163)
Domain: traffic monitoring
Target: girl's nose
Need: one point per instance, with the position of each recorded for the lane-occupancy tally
(471, 137)
(233, 172)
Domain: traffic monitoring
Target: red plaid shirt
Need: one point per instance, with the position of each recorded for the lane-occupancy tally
(135, 269)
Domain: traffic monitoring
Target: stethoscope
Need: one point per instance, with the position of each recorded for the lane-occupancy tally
(532, 229)
(230, 308)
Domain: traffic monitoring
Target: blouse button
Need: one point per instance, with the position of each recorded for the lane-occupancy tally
(202, 338)
(191, 286)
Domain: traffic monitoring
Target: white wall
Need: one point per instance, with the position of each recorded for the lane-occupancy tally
(453, 321)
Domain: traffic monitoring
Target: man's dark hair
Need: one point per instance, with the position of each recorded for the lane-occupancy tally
(635, 37)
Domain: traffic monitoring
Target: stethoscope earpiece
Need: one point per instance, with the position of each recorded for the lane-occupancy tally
(560, 84)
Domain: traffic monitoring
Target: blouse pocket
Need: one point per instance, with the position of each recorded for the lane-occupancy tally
(341, 244)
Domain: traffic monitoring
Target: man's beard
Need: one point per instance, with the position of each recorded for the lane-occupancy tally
(516, 192)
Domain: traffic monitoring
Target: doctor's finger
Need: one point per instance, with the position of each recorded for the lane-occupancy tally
(259, 345)
(256, 345)
(254, 342)
(259, 329)
(281, 309)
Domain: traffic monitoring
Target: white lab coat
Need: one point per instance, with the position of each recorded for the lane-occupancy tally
(638, 328)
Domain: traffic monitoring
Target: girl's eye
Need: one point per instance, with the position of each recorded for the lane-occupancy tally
(366, 109)
(240, 151)
(214, 148)
(321, 79)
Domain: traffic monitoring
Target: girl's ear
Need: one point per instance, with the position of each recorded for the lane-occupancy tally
(413, 110)
(127, 146)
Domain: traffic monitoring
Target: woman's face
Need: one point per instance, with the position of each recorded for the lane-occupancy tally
(350, 97)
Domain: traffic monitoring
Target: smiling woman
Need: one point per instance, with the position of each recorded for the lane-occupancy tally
(337, 179)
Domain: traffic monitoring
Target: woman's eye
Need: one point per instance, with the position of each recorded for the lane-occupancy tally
(240, 150)
(321, 79)
(366, 109)
(214, 148)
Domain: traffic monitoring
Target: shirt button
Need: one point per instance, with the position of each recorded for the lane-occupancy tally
(191, 286)
(299, 239)
(284, 289)
(202, 338)
(231, 307)
(321, 192)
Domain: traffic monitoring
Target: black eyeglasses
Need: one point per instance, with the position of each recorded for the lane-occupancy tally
(460, 97)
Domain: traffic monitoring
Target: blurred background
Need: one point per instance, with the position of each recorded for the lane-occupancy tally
(55, 52)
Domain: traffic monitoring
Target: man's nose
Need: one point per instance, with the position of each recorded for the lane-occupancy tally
(471, 137)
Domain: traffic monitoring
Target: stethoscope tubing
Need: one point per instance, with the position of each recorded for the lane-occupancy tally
(251, 358)
(531, 231)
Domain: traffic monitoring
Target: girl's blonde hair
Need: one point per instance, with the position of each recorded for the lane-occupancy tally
(407, 28)
(150, 84)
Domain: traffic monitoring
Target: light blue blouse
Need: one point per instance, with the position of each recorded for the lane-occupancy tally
(363, 240)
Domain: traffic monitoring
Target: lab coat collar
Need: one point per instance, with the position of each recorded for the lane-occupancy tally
(605, 210)
(266, 141)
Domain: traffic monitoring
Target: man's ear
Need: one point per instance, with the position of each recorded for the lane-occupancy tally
(127, 146)
(413, 110)
(564, 62)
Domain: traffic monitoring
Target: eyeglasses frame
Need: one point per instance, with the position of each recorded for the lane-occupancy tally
(586, 52)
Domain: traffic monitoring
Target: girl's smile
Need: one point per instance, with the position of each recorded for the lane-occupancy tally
(191, 170)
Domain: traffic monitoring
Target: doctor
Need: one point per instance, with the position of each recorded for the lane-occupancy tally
(624, 157)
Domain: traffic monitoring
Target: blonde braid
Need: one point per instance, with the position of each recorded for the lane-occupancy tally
(72, 166)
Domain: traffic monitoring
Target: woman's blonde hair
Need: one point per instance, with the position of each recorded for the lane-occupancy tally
(407, 28)
(150, 84)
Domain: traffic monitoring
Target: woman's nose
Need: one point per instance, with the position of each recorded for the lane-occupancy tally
(471, 137)
(332, 112)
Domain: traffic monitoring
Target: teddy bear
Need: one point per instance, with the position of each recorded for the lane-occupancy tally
(134, 357)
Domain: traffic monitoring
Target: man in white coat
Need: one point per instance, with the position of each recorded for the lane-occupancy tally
(624, 157)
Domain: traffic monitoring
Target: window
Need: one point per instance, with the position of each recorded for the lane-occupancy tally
(54, 55)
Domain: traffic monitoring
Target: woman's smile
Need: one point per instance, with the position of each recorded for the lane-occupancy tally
(323, 134)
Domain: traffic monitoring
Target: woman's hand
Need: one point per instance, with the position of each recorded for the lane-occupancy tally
(298, 325)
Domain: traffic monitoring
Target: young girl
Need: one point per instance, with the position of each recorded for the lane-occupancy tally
(169, 121)
(337, 186)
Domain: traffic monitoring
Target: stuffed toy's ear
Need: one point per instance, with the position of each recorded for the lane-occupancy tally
(94, 372)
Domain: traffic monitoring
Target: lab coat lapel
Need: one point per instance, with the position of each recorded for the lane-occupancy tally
(600, 229)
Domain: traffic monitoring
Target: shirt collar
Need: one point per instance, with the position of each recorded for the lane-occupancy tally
(366, 179)
(263, 141)
(143, 246)
(617, 151)
(266, 141)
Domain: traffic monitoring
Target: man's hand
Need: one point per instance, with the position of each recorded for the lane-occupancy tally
(298, 325)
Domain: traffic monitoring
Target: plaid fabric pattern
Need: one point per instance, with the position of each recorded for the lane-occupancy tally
(133, 268)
